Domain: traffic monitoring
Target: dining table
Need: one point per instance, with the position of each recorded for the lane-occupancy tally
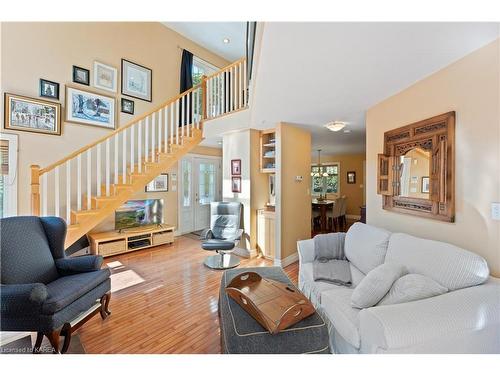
(323, 206)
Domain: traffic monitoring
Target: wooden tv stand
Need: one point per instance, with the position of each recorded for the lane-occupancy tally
(116, 242)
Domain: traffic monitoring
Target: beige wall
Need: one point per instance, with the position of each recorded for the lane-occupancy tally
(244, 145)
(470, 87)
(30, 51)
(353, 192)
(293, 198)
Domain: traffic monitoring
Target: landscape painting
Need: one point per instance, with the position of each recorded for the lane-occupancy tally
(89, 108)
(33, 115)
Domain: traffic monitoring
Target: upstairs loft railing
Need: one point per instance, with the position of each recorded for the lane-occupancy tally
(97, 169)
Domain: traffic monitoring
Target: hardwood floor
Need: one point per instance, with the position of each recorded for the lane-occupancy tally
(173, 311)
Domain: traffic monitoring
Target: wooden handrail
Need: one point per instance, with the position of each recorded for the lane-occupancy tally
(237, 62)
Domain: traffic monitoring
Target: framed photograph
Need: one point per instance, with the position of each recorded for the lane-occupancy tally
(105, 77)
(236, 184)
(136, 80)
(49, 89)
(127, 106)
(351, 177)
(32, 115)
(236, 167)
(160, 183)
(426, 185)
(89, 108)
(81, 75)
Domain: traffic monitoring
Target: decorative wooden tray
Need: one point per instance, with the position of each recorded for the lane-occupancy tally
(276, 306)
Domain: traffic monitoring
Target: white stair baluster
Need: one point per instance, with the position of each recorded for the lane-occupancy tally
(177, 122)
(98, 171)
(89, 178)
(68, 191)
(115, 164)
(183, 117)
(139, 147)
(209, 98)
(146, 140)
(188, 112)
(132, 149)
(79, 182)
(56, 191)
(231, 88)
(165, 125)
(153, 133)
(108, 168)
(240, 86)
(160, 132)
(172, 120)
(44, 194)
(245, 96)
(124, 156)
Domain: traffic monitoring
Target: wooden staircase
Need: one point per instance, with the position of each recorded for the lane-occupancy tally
(88, 185)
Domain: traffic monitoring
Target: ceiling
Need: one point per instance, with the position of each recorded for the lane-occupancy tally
(312, 73)
(211, 35)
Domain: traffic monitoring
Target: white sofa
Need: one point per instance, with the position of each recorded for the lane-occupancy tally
(464, 320)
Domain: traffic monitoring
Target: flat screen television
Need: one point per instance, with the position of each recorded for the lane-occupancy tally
(139, 213)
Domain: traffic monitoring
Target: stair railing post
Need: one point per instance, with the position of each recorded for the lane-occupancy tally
(35, 190)
(204, 97)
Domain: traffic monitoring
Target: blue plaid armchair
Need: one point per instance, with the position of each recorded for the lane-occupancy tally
(41, 289)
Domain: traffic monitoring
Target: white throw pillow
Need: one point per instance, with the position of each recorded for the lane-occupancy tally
(412, 287)
(376, 284)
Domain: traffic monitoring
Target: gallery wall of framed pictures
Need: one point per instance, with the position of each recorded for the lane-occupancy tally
(83, 106)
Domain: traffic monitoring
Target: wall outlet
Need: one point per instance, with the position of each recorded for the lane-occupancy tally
(299, 178)
(495, 210)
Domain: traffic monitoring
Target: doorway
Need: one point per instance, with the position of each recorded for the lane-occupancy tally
(199, 184)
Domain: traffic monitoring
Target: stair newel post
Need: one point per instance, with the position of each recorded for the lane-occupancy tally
(35, 190)
(204, 97)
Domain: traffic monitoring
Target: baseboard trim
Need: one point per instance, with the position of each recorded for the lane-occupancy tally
(287, 261)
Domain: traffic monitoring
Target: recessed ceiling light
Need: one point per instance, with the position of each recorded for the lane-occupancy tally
(226, 40)
(336, 126)
(219, 142)
(347, 130)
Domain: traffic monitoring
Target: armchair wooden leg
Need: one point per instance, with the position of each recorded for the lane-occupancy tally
(54, 341)
(38, 343)
(105, 305)
(66, 331)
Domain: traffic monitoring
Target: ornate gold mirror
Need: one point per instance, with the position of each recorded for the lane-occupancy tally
(416, 173)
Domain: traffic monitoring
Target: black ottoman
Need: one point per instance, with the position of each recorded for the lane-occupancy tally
(242, 334)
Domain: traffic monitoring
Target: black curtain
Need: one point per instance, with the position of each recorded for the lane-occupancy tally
(185, 84)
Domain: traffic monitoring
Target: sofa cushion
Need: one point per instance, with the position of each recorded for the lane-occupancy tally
(449, 265)
(336, 305)
(67, 289)
(376, 284)
(312, 289)
(365, 246)
(412, 287)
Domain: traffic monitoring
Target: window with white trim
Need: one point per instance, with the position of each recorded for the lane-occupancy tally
(8, 175)
(325, 184)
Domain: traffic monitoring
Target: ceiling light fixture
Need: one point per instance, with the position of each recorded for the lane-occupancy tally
(226, 40)
(347, 131)
(336, 126)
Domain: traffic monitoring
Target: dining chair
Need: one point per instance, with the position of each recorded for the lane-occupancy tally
(334, 215)
(343, 209)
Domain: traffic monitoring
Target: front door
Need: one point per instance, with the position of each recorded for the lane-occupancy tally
(199, 185)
